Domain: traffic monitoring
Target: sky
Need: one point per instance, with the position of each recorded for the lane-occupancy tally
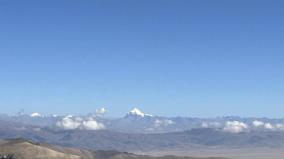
(194, 58)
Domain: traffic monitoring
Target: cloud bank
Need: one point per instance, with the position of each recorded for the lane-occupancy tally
(235, 126)
(211, 125)
(267, 126)
(165, 122)
(70, 123)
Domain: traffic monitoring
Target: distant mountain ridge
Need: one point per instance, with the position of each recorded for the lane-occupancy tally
(138, 131)
(131, 142)
(136, 121)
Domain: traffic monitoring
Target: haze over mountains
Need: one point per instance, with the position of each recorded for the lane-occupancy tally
(138, 131)
(136, 121)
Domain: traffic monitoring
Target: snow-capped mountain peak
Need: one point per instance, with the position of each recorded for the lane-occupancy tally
(137, 112)
(35, 115)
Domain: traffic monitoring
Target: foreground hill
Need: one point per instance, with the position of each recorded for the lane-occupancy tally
(26, 149)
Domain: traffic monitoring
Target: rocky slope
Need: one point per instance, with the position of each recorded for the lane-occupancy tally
(26, 149)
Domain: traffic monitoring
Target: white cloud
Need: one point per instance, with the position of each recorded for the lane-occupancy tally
(235, 126)
(263, 125)
(279, 126)
(165, 122)
(210, 125)
(92, 125)
(268, 126)
(70, 123)
(204, 125)
(78, 119)
(257, 123)
(101, 111)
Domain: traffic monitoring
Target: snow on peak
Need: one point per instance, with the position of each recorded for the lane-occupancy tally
(137, 112)
(35, 115)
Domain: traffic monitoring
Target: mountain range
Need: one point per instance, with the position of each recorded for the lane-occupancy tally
(136, 121)
(138, 131)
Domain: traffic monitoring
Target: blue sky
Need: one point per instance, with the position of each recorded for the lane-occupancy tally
(199, 58)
